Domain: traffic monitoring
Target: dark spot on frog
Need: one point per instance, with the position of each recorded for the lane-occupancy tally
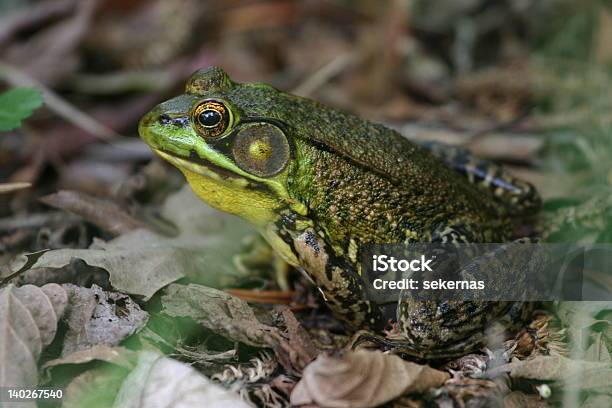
(311, 240)
(443, 308)
(471, 308)
(289, 221)
(165, 119)
(417, 325)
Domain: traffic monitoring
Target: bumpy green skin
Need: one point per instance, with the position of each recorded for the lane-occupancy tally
(356, 183)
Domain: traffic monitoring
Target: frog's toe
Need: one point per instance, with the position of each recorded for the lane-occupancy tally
(367, 339)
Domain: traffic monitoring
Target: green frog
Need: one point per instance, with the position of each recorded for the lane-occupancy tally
(320, 184)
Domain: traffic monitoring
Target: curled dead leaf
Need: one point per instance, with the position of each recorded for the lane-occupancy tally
(96, 317)
(302, 350)
(28, 322)
(234, 319)
(220, 312)
(362, 379)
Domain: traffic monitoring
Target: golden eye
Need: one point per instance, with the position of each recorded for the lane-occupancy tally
(261, 149)
(211, 118)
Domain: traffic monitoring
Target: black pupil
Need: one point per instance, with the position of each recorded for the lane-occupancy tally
(209, 118)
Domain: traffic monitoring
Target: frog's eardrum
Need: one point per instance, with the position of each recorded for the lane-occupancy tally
(261, 149)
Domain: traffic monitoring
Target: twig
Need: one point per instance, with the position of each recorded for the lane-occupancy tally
(324, 74)
(117, 82)
(58, 104)
(10, 187)
(31, 260)
(104, 214)
(34, 220)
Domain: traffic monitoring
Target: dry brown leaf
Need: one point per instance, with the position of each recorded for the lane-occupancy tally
(233, 318)
(362, 379)
(97, 317)
(141, 262)
(551, 368)
(49, 54)
(301, 351)
(28, 322)
(104, 214)
(224, 314)
(26, 17)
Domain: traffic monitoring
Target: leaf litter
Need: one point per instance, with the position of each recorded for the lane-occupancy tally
(29, 317)
(431, 72)
(141, 262)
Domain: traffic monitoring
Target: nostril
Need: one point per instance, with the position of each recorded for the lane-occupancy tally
(164, 119)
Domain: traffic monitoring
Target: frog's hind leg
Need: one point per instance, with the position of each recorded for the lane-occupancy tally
(456, 323)
(395, 344)
(521, 197)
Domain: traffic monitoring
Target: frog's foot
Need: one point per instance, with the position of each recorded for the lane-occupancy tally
(367, 339)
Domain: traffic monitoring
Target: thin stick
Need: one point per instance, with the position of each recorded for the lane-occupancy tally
(58, 104)
(321, 76)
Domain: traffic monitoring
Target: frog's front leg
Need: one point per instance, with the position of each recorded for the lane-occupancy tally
(337, 280)
(333, 274)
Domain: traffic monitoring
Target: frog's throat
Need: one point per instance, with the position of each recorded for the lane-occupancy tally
(234, 195)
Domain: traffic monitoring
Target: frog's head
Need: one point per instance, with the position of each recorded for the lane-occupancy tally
(234, 153)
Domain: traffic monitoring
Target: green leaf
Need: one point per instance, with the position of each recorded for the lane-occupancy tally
(16, 105)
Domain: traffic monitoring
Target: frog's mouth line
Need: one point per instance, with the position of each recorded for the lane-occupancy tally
(200, 166)
(215, 172)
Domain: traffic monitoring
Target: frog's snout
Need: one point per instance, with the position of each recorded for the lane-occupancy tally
(149, 128)
(147, 122)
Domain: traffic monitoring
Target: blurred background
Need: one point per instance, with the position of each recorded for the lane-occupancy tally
(525, 82)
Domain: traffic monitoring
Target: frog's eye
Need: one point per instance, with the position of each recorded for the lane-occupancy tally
(212, 118)
(261, 149)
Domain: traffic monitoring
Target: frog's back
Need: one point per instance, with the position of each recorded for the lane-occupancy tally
(366, 143)
(429, 192)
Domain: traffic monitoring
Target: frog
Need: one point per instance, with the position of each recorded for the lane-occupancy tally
(320, 184)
